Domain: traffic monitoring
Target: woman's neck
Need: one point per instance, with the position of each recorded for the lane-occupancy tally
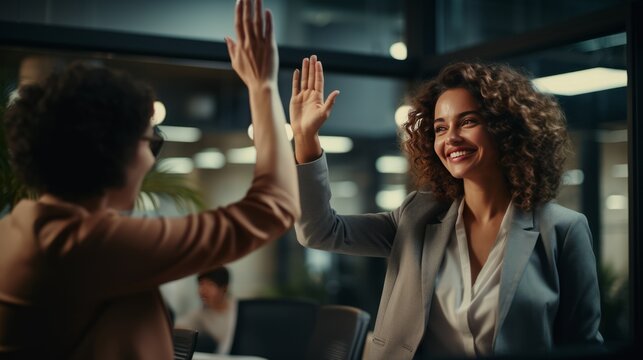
(486, 199)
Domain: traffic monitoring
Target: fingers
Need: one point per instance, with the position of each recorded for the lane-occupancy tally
(269, 34)
(258, 20)
(231, 47)
(311, 71)
(319, 78)
(238, 22)
(247, 22)
(330, 101)
(295, 83)
(304, 74)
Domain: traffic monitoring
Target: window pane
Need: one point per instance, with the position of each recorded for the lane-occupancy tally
(595, 182)
(364, 26)
(463, 23)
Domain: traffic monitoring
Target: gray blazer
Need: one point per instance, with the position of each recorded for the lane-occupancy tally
(549, 293)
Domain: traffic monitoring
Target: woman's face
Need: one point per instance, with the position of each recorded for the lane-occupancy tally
(462, 141)
(124, 198)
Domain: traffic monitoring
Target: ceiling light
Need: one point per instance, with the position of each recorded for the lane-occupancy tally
(181, 133)
(616, 202)
(398, 51)
(392, 164)
(619, 170)
(159, 113)
(209, 159)
(391, 198)
(246, 155)
(402, 115)
(336, 144)
(583, 81)
(176, 165)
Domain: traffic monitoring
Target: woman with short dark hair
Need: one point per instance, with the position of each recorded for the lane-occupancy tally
(78, 280)
(481, 261)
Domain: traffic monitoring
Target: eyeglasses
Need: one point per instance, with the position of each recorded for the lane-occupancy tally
(156, 141)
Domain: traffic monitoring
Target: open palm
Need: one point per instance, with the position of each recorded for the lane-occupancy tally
(308, 110)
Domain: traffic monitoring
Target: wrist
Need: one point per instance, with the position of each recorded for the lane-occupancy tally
(263, 87)
(307, 150)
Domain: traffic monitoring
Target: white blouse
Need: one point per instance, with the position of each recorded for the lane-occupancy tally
(463, 315)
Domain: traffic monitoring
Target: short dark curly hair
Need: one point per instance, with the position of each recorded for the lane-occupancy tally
(528, 126)
(74, 135)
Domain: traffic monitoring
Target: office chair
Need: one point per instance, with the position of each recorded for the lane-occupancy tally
(184, 343)
(339, 334)
(205, 343)
(274, 328)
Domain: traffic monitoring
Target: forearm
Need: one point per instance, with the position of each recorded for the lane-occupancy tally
(274, 153)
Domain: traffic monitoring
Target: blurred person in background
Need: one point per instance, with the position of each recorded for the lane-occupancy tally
(216, 319)
(481, 260)
(79, 280)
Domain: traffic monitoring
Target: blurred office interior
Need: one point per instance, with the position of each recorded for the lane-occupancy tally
(375, 52)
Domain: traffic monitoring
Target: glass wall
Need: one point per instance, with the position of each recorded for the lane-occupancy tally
(463, 23)
(364, 26)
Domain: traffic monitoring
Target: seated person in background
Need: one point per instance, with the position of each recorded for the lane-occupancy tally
(217, 318)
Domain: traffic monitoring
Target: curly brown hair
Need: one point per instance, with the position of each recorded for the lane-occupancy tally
(529, 128)
(74, 135)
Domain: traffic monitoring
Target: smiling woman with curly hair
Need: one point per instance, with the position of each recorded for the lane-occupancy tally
(483, 262)
(528, 127)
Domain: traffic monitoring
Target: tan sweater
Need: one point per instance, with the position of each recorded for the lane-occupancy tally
(82, 285)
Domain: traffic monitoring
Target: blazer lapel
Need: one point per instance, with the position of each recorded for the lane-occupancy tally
(520, 244)
(436, 237)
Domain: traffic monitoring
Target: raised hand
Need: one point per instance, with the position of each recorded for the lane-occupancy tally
(308, 110)
(254, 56)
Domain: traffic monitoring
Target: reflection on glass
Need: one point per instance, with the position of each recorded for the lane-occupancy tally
(595, 181)
(464, 23)
(367, 26)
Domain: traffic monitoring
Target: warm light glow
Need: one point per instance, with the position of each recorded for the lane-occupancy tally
(336, 144)
(176, 165)
(246, 155)
(583, 81)
(209, 159)
(402, 115)
(159, 113)
(391, 198)
(619, 170)
(392, 164)
(289, 134)
(181, 133)
(398, 51)
(616, 202)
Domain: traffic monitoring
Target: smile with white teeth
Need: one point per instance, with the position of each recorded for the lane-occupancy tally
(457, 154)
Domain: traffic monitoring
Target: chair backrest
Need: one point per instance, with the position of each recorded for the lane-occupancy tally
(205, 343)
(274, 328)
(339, 334)
(184, 343)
